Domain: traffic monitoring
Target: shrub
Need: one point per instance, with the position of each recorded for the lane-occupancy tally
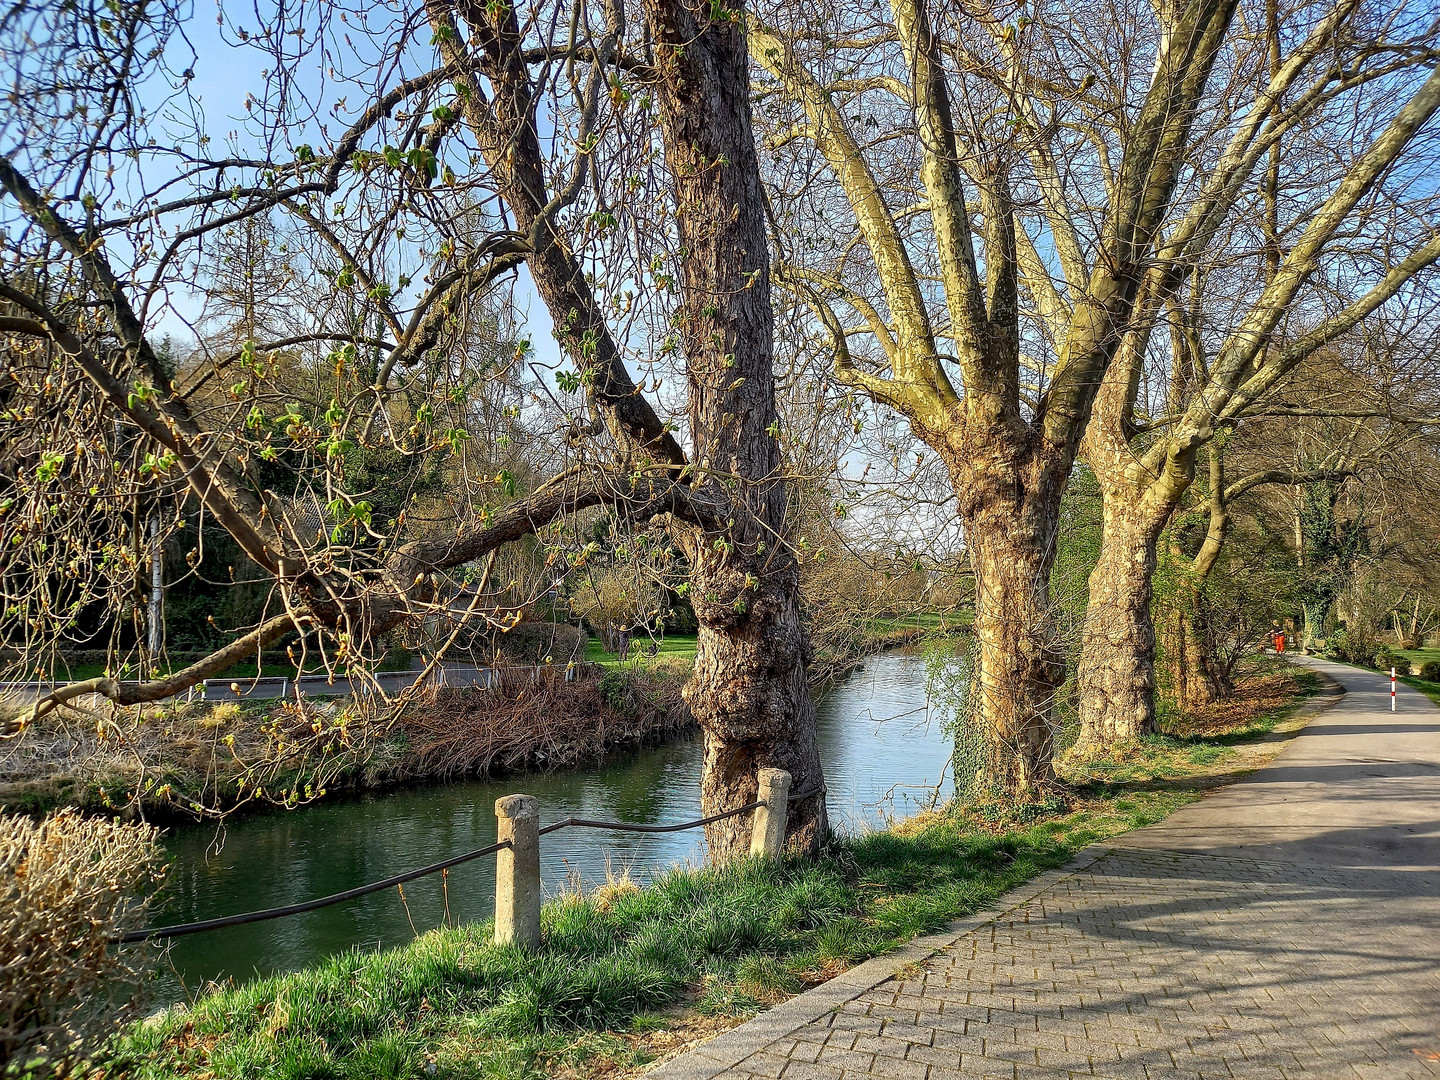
(1384, 659)
(526, 643)
(1357, 648)
(616, 692)
(1430, 671)
(1337, 645)
(68, 885)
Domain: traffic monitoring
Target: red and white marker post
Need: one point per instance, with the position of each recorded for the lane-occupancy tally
(1392, 689)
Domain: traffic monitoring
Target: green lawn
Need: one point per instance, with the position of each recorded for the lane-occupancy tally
(613, 963)
(682, 646)
(1420, 656)
(1429, 689)
(925, 620)
(671, 647)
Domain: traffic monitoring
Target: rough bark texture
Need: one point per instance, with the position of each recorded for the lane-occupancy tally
(1010, 514)
(1009, 455)
(1020, 666)
(749, 691)
(1116, 687)
(1117, 657)
(1196, 680)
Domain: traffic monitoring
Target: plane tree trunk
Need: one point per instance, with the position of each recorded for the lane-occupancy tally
(1117, 655)
(1019, 662)
(749, 690)
(1196, 679)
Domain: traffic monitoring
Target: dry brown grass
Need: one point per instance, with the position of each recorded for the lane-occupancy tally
(224, 713)
(169, 756)
(615, 888)
(68, 885)
(1254, 697)
(209, 757)
(683, 1031)
(1203, 750)
(526, 725)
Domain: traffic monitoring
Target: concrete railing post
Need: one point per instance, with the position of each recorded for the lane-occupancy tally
(767, 835)
(517, 871)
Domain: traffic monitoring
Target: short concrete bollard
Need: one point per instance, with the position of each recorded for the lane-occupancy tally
(517, 871)
(767, 834)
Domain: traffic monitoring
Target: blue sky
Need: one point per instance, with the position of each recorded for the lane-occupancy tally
(224, 75)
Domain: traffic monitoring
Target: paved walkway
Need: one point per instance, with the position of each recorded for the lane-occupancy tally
(1287, 926)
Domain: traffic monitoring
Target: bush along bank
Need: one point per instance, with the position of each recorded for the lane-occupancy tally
(627, 974)
(189, 759)
(194, 758)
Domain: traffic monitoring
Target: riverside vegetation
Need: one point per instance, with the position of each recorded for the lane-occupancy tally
(627, 974)
(197, 758)
(186, 758)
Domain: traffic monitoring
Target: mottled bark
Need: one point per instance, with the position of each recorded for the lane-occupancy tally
(1019, 664)
(1116, 686)
(750, 695)
(1197, 680)
(1010, 510)
(749, 691)
(1009, 453)
(1117, 656)
(1201, 680)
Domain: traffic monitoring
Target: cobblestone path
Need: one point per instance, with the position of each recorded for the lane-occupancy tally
(1285, 927)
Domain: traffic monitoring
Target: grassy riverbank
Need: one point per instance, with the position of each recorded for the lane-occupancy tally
(876, 635)
(717, 943)
(629, 974)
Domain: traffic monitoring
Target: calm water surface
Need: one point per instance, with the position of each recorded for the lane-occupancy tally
(880, 743)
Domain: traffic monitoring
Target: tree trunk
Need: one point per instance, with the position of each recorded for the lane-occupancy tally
(751, 697)
(1020, 666)
(749, 692)
(1196, 678)
(1019, 661)
(1117, 656)
(1315, 611)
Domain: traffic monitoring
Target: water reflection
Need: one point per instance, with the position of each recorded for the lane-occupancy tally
(881, 746)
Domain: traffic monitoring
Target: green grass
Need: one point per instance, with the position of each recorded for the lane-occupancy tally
(925, 620)
(682, 646)
(671, 647)
(718, 940)
(1427, 687)
(1420, 656)
(1172, 755)
(78, 672)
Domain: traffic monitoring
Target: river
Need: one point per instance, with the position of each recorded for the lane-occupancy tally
(881, 745)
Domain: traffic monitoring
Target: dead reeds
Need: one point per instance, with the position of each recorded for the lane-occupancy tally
(519, 724)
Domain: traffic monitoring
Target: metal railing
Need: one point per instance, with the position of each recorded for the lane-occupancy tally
(518, 892)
